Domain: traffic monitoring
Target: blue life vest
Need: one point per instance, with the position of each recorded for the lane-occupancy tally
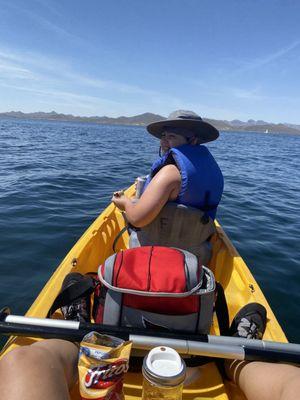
(201, 178)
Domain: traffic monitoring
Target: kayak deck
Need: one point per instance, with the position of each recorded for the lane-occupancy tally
(230, 270)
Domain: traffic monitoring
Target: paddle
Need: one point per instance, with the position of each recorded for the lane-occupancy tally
(204, 345)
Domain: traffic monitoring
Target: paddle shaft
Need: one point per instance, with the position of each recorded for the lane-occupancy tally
(205, 345)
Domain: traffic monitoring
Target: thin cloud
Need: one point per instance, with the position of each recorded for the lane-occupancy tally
(49, 7)
(32, 61)
(228, 91)
(12, 67)
(48, 25)
(260, 62)
(109, 84)
(250, 94)
(68, 102)
(50, 70)
(63, 95)
(9, 55)
(11, 71)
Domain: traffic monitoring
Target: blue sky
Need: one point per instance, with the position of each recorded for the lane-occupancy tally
(224, 59)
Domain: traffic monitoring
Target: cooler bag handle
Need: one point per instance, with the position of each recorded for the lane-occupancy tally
(195, 290)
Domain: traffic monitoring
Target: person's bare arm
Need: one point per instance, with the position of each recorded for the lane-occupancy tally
(163, 187)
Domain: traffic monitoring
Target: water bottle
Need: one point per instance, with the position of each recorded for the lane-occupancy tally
(139, 185)
(163, 374)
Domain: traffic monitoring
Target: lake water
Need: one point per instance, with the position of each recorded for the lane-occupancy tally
(56, 177)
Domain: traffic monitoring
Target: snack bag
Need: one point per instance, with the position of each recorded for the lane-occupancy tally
(103, 361)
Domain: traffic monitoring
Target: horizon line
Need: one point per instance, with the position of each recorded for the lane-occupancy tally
(136, 115)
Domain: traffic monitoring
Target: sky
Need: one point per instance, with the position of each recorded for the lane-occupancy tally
(224, 59)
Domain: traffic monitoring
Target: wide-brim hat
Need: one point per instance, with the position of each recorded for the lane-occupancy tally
(186, 123)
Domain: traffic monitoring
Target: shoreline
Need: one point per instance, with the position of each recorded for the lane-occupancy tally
(86, 120)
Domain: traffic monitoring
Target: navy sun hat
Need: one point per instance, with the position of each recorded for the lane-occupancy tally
(186, 123)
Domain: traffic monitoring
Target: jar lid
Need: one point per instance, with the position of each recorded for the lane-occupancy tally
(163, 365)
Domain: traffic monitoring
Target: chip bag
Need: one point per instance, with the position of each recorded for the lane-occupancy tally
(103, 362)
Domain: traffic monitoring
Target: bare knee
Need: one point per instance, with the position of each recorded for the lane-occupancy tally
(18, 363)
(290, 387)
(41, 354)
(34, 372)
(21, 360)
(20, 357)
(62, 354)
(46, 358)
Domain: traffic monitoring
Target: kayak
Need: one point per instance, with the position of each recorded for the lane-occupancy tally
(240, 287)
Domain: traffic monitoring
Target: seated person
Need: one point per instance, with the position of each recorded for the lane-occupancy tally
(184, 188)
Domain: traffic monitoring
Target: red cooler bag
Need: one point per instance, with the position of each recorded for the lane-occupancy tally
(157, 288)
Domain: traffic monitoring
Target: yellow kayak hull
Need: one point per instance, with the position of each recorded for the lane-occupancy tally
(230, 270)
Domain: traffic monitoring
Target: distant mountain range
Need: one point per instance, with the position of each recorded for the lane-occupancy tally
(147, 118)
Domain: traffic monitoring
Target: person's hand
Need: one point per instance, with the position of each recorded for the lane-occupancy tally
(119, 199)
(118, 193)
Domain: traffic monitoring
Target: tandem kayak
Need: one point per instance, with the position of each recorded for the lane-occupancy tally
(240, 287)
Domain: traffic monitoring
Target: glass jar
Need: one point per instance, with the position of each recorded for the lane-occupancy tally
(163, 374)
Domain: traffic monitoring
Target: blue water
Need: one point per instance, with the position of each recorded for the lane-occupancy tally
(57, 177)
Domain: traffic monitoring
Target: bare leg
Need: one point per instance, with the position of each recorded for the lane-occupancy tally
(45, 370)
(265, 381)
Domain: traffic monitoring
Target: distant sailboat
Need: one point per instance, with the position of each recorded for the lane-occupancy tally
(267, 131)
